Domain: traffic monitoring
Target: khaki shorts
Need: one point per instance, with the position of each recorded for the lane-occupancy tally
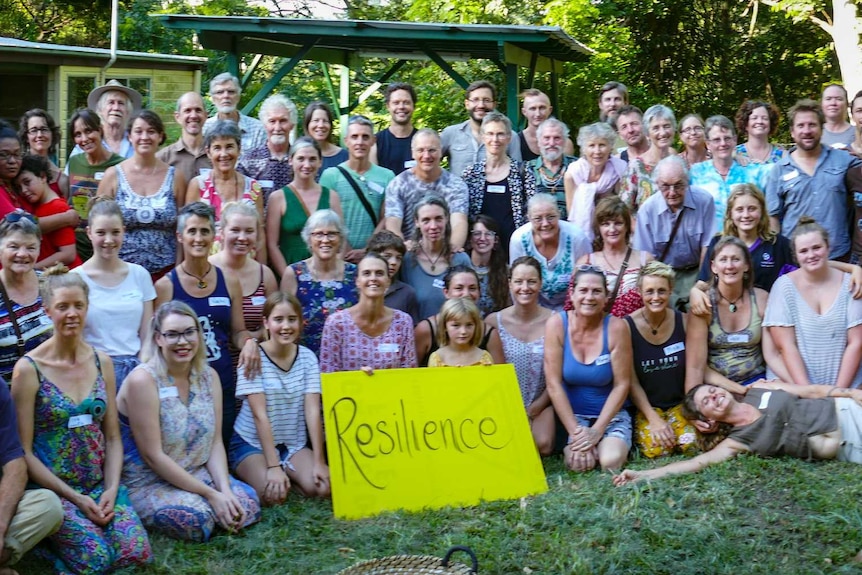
(850, 425)
(39, 515)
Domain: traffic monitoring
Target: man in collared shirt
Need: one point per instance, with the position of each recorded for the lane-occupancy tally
(225, 93)
(270, 164)
(359, 176)
(391, 149)
(660, 213)
(811, 180)
(26, 517)
(462, 143)
(188, 155)
(408, 188)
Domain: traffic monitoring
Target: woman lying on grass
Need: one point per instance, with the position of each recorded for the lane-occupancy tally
(773, 418)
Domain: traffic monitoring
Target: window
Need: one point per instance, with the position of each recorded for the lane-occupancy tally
(142, 85)
(78, 87)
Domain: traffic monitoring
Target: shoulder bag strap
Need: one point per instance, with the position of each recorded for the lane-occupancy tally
(616, 291)
(8, 303)
(672, 235)
(359, 194)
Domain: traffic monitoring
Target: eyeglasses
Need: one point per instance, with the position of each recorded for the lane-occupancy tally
(6, 156)
(172, 337)
(483, 234)
(549, 218)
(325, 235)
(677, 187)
(692, 130)
(724, 140)
(18, 215)
(477, 101)
(40, 130)
(590, 268)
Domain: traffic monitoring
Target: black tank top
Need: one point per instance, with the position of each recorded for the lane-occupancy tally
(660, 369)
(392, 152)
(489, 329)
(526, 153)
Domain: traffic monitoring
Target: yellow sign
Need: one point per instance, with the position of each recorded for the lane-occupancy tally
(427, 438)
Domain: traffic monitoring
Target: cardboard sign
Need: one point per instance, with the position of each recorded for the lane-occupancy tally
(427, 438)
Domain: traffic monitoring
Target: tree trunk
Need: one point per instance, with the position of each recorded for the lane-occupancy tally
(845, 35)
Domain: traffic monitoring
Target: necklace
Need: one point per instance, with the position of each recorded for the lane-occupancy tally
(654, 329)
(432, 262)
(202, 284)
(727, 171)
(733, 307)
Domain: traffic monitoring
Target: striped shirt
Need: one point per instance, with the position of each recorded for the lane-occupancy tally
(36, 327)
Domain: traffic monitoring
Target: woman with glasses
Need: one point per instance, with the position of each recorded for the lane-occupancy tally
(170, 410)
(217, 301)
(555, 244)
(499, 187)
(588, 369)
(691, 133)
(638, 185)
(717, 175)
(40, 136)
(488, 258)
(23, 322)
(758, 121)
(10, 165)
(323, 283)
(64, 393)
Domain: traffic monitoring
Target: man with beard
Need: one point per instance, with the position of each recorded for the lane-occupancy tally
(462, 143)
(392, 147)
(536, 109)
(188, 155)
(612, 97)
(115, 104)
(225, 92)
(811, 180)
(269, 164)
(550, 167)
(630, 128)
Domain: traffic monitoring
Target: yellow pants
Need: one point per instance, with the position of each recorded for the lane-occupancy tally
(39, 514)
(685, 433)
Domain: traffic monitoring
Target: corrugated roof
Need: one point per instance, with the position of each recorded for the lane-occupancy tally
(15, 45)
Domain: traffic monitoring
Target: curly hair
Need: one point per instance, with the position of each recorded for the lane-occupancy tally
(749, 106)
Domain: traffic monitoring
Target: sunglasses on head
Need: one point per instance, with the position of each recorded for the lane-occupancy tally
(18, 215)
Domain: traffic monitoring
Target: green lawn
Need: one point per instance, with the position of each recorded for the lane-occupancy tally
(746, 516)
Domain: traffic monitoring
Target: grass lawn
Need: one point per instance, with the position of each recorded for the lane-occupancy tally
(745, 516)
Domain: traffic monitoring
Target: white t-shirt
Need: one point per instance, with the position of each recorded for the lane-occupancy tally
(285, 399)
(114, 314)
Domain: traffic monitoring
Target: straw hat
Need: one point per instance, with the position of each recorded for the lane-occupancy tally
(114, 86)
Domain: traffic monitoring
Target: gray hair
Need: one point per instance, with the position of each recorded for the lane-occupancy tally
(671, 162)
(597, 131)
(424, 132)
(199, 209)
(552, 123)
(223, 129)
(659, 112)
(541, 199)
(718, 121)
(223, 78)
(495, 116)
(275, 102)
(360, 120)
(103, 99)
(319, 219)
(24, 224)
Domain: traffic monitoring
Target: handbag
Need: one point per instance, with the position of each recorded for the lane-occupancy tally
(616, 291)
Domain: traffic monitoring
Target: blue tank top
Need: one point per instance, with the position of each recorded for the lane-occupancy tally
(394, 152)
(213, 312)
(587, 385)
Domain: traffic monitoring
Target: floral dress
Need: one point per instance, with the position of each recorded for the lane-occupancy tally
(637, 185)
(320, 299)
(68, 439)
(188, 431)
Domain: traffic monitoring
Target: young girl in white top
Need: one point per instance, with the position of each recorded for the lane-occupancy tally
(280, 410)
(121, 293)
(459, 333)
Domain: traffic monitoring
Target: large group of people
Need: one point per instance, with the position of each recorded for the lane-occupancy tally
(662, 296)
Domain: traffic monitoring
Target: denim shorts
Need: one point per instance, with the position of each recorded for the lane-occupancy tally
(123, 366)
(620, 426)
(239, 449)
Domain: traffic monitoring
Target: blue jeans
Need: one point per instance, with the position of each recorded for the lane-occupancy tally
(123, 366)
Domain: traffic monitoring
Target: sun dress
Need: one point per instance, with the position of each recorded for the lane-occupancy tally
(321, 299)
(76, 455)
(188, 432)
(290, 242)
(528, 358)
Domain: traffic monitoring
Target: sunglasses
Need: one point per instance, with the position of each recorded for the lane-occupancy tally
(18, 215)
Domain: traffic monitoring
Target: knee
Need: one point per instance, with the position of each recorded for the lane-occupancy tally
(50, 511)
(184, 524)
(544, 445)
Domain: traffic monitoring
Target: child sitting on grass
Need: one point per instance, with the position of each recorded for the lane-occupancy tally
(459, 333)
(57, 246)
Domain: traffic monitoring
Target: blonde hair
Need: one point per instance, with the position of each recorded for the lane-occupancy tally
(737, 191)
(455, 309)
(657, 269)
(58, 277)
(152, 352)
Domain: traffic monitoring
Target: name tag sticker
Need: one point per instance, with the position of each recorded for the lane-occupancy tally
(738, 338)
(388, 348)
(438, 283)
(258, 299)
(603, 359)
(168, 392)
(764, 400)
(266, 183)
(538, 348)
(99, 175)
(80, 420)
(219, 301)
(496, 189)
(375, 187)
(132, 295)
(675, 348)
(45, 320)
(410, 164)
(790, 175)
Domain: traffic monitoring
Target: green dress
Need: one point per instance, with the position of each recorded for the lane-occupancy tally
(290, 240)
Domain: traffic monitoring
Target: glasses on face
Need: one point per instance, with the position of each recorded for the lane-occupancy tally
(677, 187)
(724, 140)
(39, 130)
(551, 218)
(18, 215)
(692, 130)
(6, 156)
(483, 234)
(326, 235)
(477, 101)
(172, 337)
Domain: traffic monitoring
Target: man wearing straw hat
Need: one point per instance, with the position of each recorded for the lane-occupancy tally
(115, 104)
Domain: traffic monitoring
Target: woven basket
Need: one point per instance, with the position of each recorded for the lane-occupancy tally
(415, 565)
